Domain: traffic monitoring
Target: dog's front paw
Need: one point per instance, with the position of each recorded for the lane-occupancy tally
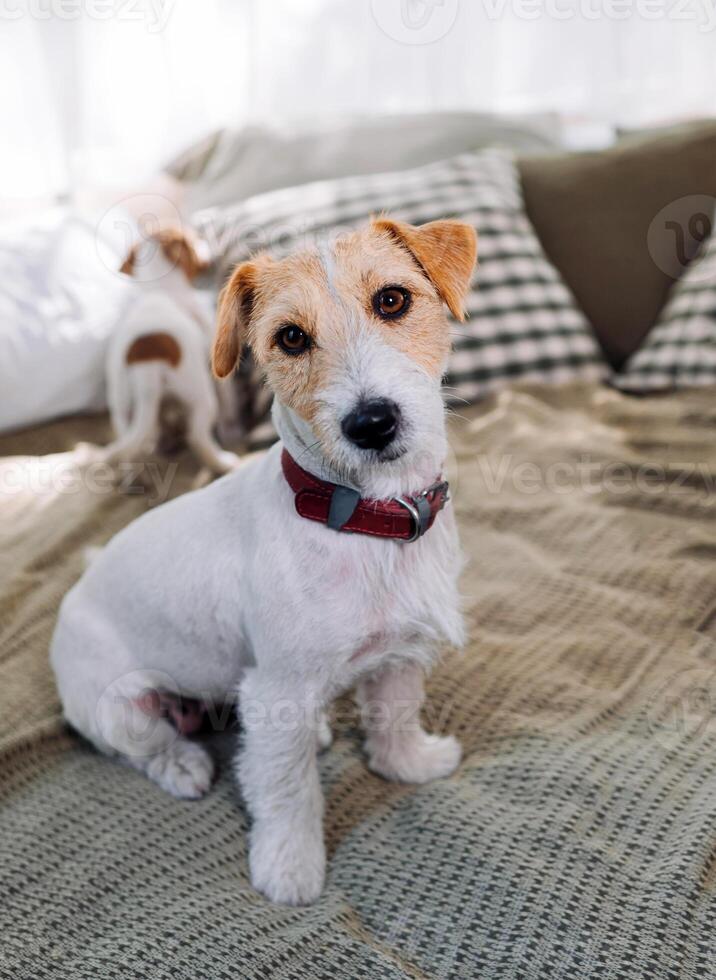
(416, 759)
(287, 867)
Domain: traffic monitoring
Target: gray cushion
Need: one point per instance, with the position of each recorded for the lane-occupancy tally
(232, 165)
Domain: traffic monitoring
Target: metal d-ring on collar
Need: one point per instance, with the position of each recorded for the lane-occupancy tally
(419, 508)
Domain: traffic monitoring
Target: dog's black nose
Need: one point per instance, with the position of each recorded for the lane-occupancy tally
(373, 424)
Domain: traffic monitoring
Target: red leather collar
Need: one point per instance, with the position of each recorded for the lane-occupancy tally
(402, 518)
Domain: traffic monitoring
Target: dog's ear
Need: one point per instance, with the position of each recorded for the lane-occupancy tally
(236, 303)
(127, 267)
(445, 250)
(181, 249)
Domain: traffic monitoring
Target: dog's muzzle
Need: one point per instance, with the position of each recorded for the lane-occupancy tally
(372, 424)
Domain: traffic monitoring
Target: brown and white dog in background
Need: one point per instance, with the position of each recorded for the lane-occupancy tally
(160, 351)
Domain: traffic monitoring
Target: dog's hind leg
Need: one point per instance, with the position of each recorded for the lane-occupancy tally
(138, 733)
(125, 719)
(119, 399)
(179, 766)
(140, 436)
(201, 439)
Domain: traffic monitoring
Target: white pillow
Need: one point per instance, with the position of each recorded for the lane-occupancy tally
(60, 297)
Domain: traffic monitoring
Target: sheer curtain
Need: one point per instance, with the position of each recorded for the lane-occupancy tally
(101, 91)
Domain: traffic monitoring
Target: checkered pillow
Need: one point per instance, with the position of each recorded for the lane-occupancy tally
(680, 350)
(523, 322)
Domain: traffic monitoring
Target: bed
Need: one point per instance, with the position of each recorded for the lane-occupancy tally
(575, 840)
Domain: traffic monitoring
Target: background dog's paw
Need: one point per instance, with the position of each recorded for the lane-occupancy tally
(184, 769)
(288, 869)
(86, 453)
(229, 461)
(417, 759)
(202, 479)
(225, 462)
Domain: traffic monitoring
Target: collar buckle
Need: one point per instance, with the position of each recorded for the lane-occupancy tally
(420, 507)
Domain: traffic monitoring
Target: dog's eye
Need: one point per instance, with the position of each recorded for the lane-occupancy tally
(393, 301)
(292, 339)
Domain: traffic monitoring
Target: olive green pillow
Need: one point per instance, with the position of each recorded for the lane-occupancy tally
(621, 225)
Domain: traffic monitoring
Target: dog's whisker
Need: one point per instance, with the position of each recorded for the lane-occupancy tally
(456, 415)
(459, 398)
(308, 449)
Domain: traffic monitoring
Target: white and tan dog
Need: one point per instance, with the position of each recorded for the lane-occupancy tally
(255, 585)
(161, 349)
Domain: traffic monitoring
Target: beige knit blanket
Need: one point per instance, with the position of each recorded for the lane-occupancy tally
(576, 839)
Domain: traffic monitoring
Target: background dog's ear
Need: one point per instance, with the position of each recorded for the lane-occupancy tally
(236, 302)
(445, 250)
(127, 267)
(181, 249)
